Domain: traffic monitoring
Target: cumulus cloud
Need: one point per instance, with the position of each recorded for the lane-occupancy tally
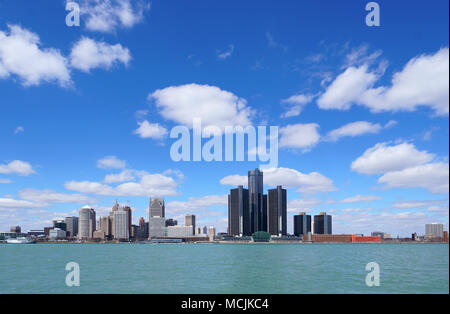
(22, 56)
(423, 81)
(297, 102)
(19, 167)
(403, 166)
(383, 158)
(313, 182)
(149, 184)
(356, 129)
(49, 197)
(347, 88)
(125, 175)
(433, 176)
(109, 15)
(151, 130)
(88, 54)
(214, 106)
(13, 203)
(303, 136)
(111, 162)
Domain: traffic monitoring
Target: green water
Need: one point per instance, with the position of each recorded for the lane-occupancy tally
(224, 268)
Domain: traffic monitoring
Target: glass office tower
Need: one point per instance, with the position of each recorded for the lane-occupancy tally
(322, 224)
(258, 213)
(238, 212)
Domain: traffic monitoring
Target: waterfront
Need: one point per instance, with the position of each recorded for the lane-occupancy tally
(221, 268)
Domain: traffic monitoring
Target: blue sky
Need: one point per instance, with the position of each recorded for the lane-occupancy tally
(362, 111)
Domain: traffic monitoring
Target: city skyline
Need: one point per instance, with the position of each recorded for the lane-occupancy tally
(363, 123)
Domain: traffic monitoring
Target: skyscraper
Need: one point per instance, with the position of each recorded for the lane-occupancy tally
(189, 221)
(322, 224)
(239, 222)
(121, 224)
(434, 230)
(128, 210)
(86, 223)
(256, 201)
(105, 225)
(277, 211)
(156, 207)
(72, 226)
(302, 224)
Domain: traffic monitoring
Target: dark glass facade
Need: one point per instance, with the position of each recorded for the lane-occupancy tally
(277, 211)
(322, 224)
(256, 201)
(302, 224)
(238, 212)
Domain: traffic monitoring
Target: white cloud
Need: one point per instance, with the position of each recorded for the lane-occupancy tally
(214, 106)
(149, 184)
(424, 81)
(433, 176)
(108, 15)
(298, 102)
(21, 56)
(354, 129)
(125, 175)
(225, 54)
(302, 204)
(300, 135)
(88, 54)
(382, 158)
(111, 162)
(347, 88)
(360, 199)
(205, 209)
(19, 167)
(5, 181)
(415, 204)
(313, 182)
(19, 129)
(13, 203)
(150, 130)
(49, 196)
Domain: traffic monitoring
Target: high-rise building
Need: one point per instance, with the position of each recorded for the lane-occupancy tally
(302, 224)
(121, 224)
(277, 211)
(205, 230)
(258, 213)
(128, 210)
(86, 222)
(239, 223)
(142, 231)
(189, 221)
(111, 216)
(157, 227)
(434, 230)
(156, 207)
(322, 224)
(105, 225)
(211, 233)
(71, 226)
